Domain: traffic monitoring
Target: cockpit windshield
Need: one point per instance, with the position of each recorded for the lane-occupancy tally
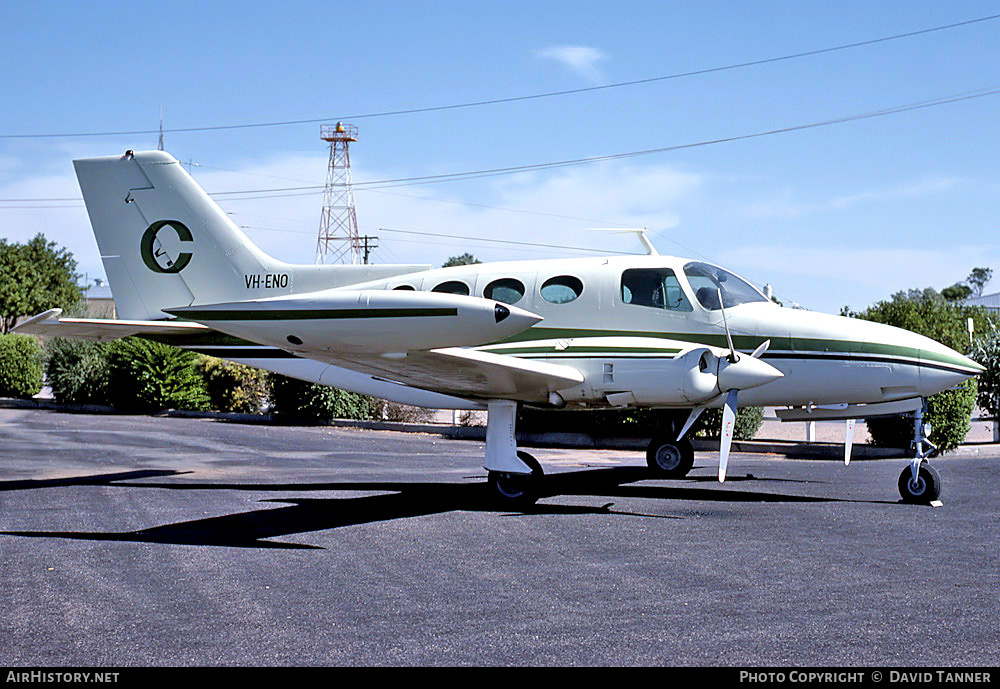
(708, 281)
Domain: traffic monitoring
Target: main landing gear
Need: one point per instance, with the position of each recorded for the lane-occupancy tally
(514, 476)
(669, 458)
(919, 483)
(517, 490)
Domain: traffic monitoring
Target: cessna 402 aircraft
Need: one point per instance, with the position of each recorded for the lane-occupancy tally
(584, 333)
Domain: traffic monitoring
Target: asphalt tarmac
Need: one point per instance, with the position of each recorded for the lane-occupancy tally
(135, 541)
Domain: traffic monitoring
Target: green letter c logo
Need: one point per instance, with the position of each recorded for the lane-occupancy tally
(153, 259)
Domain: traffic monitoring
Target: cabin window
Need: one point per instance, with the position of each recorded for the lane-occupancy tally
(452, 287)
(507, 290)
(407, 287)
(562, 289)
(656, 287)
(709, 281)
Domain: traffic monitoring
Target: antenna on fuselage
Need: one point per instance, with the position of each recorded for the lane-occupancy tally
(640, 232)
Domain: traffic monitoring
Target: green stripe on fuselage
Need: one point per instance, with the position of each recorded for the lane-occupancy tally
(749, 343)
(311, 314)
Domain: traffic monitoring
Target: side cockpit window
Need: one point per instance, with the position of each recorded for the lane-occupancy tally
(655, 287)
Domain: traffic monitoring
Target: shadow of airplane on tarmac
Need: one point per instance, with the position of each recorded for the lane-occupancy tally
(395, 501)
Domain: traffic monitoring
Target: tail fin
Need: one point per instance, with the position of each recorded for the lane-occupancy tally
(165, 243)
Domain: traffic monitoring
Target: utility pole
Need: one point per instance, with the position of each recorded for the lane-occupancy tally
(159, 145)
(368, 249)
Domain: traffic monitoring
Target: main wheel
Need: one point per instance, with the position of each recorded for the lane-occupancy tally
(925, 490)
(518, 490)
(670, 458)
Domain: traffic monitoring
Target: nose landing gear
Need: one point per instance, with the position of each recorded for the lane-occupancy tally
(922, 490)
(920, 483)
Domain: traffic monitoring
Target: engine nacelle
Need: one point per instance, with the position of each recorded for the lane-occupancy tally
(695, 377)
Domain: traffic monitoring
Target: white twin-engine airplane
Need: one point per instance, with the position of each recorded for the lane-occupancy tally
(585, 333)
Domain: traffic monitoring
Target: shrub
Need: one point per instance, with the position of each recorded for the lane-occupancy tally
(948, 413)
(21, 370)
(296, 399)
(748, 422)
(636, 423)
(77, 371)
(146, 376)
(234, 387)
(394, 411)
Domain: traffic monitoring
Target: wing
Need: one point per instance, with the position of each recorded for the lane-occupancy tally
(467, 373)
(100, 329)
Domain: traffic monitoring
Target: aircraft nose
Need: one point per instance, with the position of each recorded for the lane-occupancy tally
(942, 368)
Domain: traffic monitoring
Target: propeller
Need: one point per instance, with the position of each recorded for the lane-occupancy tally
(733, 373)
(738, 373)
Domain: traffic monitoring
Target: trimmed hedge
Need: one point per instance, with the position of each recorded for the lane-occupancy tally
(21, 369)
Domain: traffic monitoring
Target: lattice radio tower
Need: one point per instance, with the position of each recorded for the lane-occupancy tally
(338, 240)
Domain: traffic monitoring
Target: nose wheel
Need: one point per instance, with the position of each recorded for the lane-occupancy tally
(919, 483)
(922, 490)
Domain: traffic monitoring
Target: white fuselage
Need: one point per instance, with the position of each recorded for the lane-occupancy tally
(633, 354)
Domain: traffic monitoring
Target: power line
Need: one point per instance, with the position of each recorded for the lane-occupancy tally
(515, 99)
(248, 194)
(507, 241)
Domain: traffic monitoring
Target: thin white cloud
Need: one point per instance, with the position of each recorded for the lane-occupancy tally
(785, 206)
(579, 58)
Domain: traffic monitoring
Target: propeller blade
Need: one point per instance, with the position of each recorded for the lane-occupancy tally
(692, 417)
(729, 338)
(726, 440)
(848, 442)
(761, 348)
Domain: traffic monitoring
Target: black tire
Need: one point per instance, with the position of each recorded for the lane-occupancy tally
(670, 458)
(927, 488)
(517, 490)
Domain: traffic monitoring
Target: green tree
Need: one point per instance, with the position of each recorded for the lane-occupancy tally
(956, 292)
(34, 277)
(977, 280)
(937, 319)
(465, 259)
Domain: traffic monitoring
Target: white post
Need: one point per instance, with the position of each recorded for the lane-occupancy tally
(996, 425)
(810, 431)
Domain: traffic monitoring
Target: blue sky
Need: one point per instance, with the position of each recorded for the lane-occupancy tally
(829, 216)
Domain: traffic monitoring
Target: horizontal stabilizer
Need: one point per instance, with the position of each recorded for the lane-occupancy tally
(102, 329)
